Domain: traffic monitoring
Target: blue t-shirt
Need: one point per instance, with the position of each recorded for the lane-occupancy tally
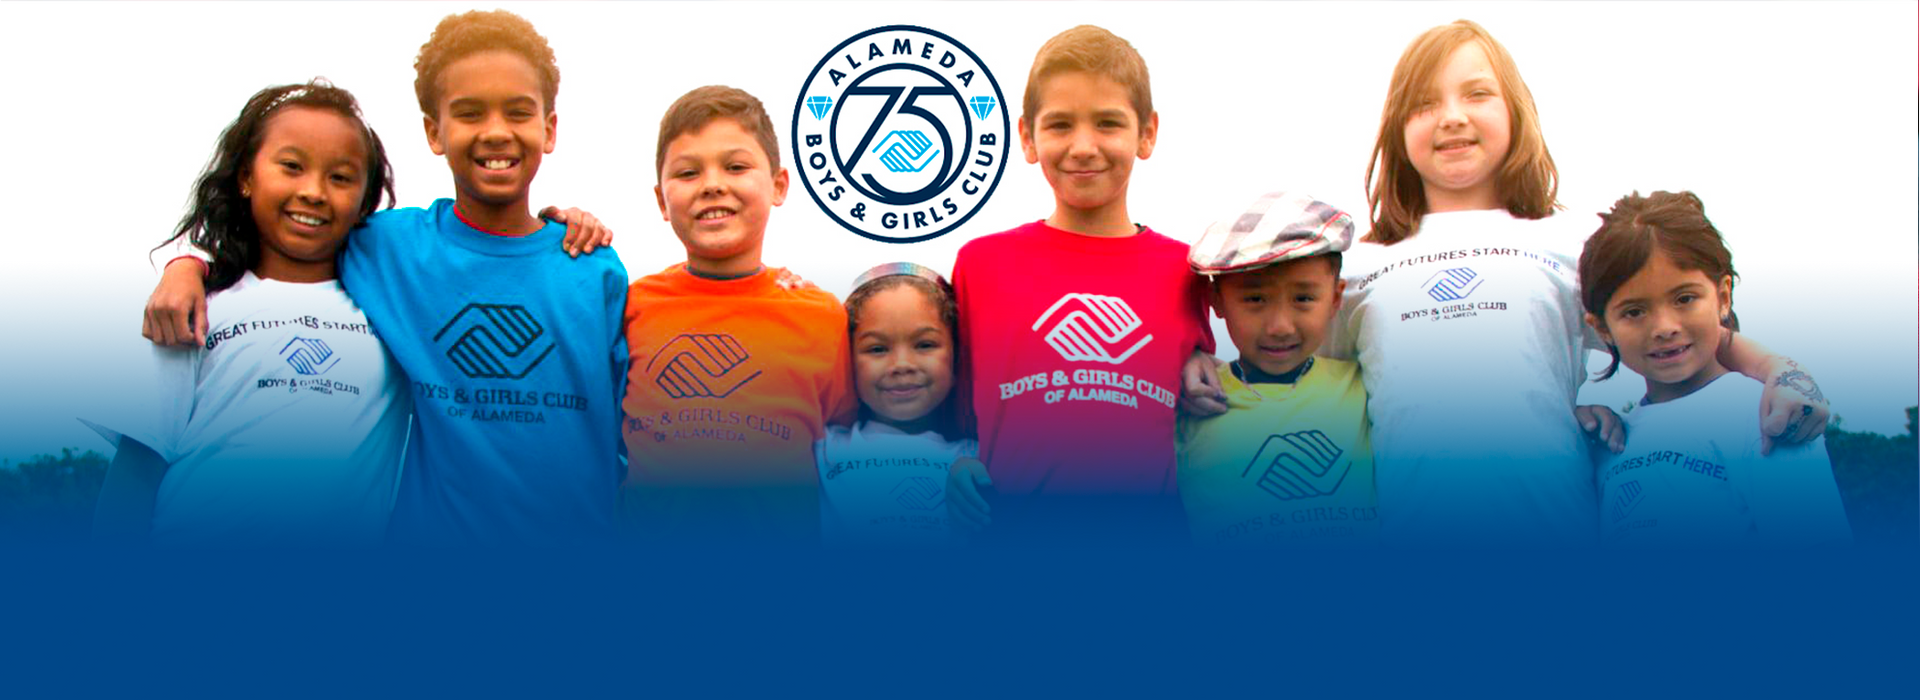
(516, 358)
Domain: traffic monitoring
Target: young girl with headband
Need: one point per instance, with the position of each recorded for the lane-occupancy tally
(883, 480)
(286, 425)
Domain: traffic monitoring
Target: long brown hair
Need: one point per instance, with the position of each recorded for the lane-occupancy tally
(1396, 198)
(1672, 223)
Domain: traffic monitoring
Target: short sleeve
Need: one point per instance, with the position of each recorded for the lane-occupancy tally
(153, 410)
(838, 406)
(1341, 342)
(1792, 495)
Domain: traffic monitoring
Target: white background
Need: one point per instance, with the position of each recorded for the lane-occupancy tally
(1794, 122)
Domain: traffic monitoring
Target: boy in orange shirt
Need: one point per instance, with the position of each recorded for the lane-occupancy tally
(732, 377)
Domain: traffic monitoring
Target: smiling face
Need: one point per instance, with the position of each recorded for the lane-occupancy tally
(717, 189)
(902, 358)
(304, 186)
(1458, 137)
(1665, 321)
(1085, 136)
(492, 127)
(1278, 315)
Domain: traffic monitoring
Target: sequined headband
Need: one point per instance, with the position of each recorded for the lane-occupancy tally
(899, 268)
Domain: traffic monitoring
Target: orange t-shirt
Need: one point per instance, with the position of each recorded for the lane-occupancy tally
(731, 382)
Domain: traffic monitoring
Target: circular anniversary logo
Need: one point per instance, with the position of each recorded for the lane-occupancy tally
(900, 134)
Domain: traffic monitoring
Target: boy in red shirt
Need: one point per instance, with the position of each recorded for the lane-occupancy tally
(732, 377)
(1074, 328)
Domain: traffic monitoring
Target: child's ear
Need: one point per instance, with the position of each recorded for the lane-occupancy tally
(1601, 328)
(433, 136)
(661, 198)
(1215, 300)
(780, 187)
(1339, 293)
(1149, 130)
(553, 132)
(1725, 288)
(1026, 140)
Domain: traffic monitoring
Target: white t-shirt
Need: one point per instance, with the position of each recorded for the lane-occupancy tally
(285, 427)
(1472, 347)
(881, 486)
(1692, 473)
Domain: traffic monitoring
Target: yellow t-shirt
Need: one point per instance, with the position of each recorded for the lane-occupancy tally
(1286, 464)
(731, 383)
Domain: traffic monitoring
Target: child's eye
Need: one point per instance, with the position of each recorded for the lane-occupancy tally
(1304, 299)
(1685, 299)
(927, 345)
(738, 167)
(343, 178)
(1253, 298)
(290, 166)
(874, 350)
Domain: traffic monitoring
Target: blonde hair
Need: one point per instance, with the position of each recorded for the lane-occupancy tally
(1089, 49)
(1527, 182)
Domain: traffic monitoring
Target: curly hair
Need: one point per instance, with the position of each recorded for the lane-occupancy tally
(949, 421)
(219, 218)
(1672, 223)
(462, 35)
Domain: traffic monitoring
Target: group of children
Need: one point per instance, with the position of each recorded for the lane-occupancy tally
(1417, 385)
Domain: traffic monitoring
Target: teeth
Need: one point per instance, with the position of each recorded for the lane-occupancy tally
(308, 220)
(715, 213)
(496, 164)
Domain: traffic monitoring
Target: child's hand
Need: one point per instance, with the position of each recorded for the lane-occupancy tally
(965, 506)
(789, 281)
(1792, 409)
(584, 231)
(1200, 392)
(176, 314)
(1602, 425)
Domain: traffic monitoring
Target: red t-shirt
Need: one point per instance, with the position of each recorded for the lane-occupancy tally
(1073, 346)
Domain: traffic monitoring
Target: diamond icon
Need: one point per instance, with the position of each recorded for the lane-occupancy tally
(982, 105)
(818, 105)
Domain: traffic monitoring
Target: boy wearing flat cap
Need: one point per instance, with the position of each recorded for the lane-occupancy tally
(1289, 462)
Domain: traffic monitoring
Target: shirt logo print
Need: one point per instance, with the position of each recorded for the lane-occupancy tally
(701, 365)
(919, 493)
(309, 356)
(1299, 465)
(495, 341)
(1453, 284)
(1091, 327)
(1625, 498)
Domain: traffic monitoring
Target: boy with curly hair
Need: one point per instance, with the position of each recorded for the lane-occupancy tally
(514, 351)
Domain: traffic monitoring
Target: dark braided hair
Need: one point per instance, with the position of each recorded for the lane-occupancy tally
(220, 221)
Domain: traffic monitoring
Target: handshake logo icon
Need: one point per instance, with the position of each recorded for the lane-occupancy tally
(919, 493)
(701, 365)
(1092, 328)
(309, 356)
(1299, 465)
(494, 341)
